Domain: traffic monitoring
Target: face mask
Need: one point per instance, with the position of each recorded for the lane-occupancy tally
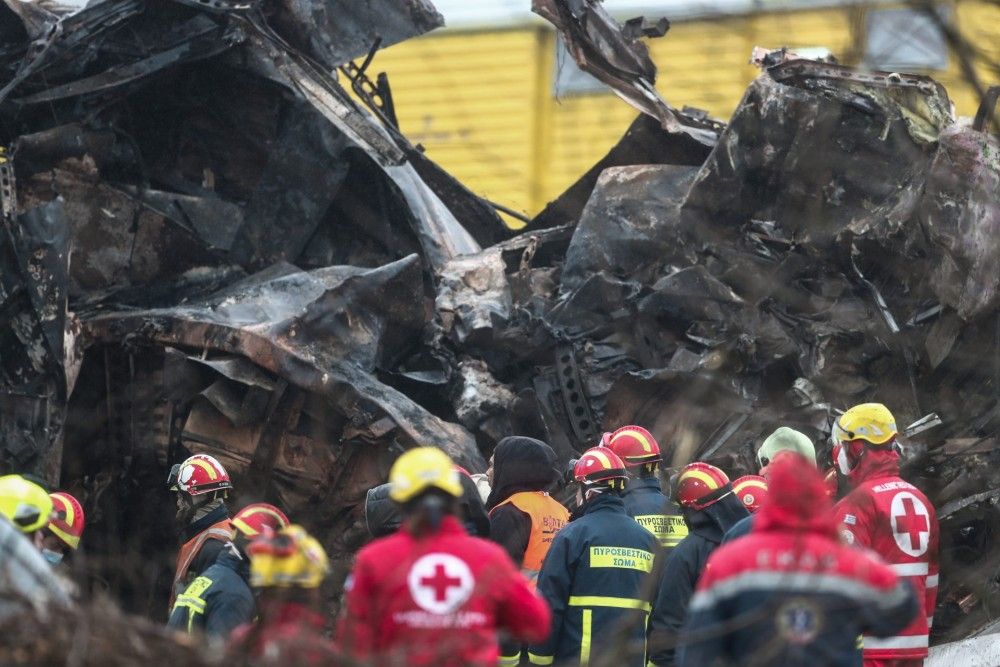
(52, 557)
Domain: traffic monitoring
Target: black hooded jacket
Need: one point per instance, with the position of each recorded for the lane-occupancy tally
(383, 516)
(519, 464)
(705, 531)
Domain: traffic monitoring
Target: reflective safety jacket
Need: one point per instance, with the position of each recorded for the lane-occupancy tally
(436, 600)
(894, 519)
(790, 594)
(645, 502)
(217, 601)
(203, 541)
(594, 579)
(547, 517)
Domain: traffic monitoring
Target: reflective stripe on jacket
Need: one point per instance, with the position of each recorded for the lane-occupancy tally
(548, 517)
(217, 601)
(645, 502)
(221, 531)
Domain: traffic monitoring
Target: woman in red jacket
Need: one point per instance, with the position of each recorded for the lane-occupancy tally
(430, 594)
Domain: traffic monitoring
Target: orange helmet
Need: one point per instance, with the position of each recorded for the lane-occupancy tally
(635, 446)
(67, 519)
(751, 490)
(199, 474)
(700, 485)
(599, 465)
(253, 519)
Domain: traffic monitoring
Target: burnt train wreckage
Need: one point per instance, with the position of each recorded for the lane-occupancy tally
(209, 245)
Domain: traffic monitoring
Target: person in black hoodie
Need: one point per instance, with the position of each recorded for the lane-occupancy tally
(710, 509)
(383, 515)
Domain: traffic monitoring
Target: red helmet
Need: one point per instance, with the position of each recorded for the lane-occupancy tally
(253, 519)
(635, 446)
(199, 474)
(700, 485)
(67, 518)
(751, 490)
(597, 465)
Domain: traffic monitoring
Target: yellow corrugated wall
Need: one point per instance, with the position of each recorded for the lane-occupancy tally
(482, 102)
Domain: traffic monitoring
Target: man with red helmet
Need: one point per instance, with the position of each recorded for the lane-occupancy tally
(790, 593)
(710, 509)
(891, 517)
(201, 484)
(219, 599)
(430, 594)
(643, 497)
(62, 535)
(596, 573)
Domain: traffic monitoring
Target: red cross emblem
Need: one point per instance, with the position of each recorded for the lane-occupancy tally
(440, 583)
(911, 523)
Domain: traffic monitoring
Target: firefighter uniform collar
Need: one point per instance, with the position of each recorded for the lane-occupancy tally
(218, 514)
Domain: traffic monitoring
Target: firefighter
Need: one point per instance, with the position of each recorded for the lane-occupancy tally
(201, 484)
(752, 492)
(790, 593)
(524, 518)
(286, 569)
(596, 574)
(62, 534)
(430, 594)
(784, 439)
(219, 599)
(710, 509)
(891, 517)
(644, 499)
(25, 577)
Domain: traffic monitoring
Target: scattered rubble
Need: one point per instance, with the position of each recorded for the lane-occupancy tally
(208, 245)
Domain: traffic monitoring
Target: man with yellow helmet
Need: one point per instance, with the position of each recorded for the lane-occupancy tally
(891, 517)
(430, 594)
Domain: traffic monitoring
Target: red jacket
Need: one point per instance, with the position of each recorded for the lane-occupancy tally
(289, 633)
(897, 521)
(437, 600)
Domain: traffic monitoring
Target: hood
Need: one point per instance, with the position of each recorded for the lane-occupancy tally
(874, 464)
(521, 464)
(382, 515)
(715, 520)
(797, 499)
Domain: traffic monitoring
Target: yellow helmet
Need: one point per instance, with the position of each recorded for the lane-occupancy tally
(420, 469)
(869, 421)
(26, 504)
(290, 558)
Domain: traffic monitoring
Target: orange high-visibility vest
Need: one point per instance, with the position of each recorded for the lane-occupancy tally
(547, 518)
(222, 531)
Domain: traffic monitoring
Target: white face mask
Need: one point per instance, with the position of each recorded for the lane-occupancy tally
(53, 558)
(843, 464)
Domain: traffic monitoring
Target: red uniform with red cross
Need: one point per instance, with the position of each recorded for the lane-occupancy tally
(896, 520)
(437, 600)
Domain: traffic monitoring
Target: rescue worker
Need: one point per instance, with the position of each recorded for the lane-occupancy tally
(891, 517)
(524, 518)
(25, 577)
(596, 573)
(752, 491)
(383, 516)
(790, 593)
(710, 509)
(644, 499)
(201, 484)
(430, 594)
(286, 569)
(62, 534)
(219, 599)
(784, 439)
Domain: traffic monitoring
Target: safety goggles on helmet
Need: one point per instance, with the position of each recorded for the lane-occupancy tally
(24, 503)
(197, 475)
(701, 485)
(290, 558)
(871, 422)
(600, 466)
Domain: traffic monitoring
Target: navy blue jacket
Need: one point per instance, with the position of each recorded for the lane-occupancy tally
(594, 579)
(741, 529)
(645, 502)
(218, 600)
(684, 566)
